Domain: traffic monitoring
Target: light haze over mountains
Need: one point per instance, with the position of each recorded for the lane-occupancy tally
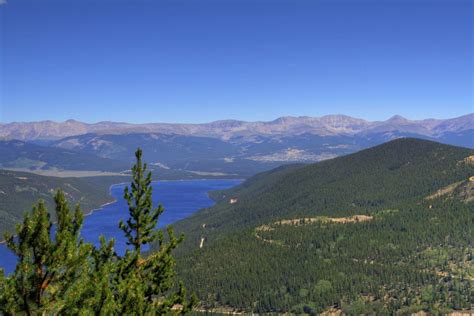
(329, 125)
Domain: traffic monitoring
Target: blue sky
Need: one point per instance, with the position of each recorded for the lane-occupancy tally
(201, 60)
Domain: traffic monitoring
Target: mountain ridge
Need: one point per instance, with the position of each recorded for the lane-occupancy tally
(227, 129)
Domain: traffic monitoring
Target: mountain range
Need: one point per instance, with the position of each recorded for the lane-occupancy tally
(228, 148)
(329, 125)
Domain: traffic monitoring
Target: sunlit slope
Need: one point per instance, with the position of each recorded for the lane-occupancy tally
(364, 233)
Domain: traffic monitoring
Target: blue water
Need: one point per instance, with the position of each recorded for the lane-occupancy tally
(179, 198)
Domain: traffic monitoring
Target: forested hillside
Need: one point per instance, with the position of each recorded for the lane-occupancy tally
(386, 229)
(20, 190)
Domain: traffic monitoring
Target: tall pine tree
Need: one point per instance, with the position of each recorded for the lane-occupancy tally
(140, 227)
(152, 278)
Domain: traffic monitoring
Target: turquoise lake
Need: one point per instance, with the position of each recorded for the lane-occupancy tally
(179, 198)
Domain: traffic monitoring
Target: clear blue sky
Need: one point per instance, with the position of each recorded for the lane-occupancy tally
(201, 60)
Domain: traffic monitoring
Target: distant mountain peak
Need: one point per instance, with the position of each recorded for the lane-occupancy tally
(284, 119)
(397, 119)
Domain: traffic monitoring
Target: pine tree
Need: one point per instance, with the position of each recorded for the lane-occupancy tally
(48, 269)
(102, 278)
(151, 278)
(140, 227)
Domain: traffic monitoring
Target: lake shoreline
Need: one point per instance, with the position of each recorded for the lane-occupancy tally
(155, 181)
(92, 211)
(194, 201)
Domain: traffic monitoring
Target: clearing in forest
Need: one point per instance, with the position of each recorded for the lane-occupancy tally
(309, 220)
